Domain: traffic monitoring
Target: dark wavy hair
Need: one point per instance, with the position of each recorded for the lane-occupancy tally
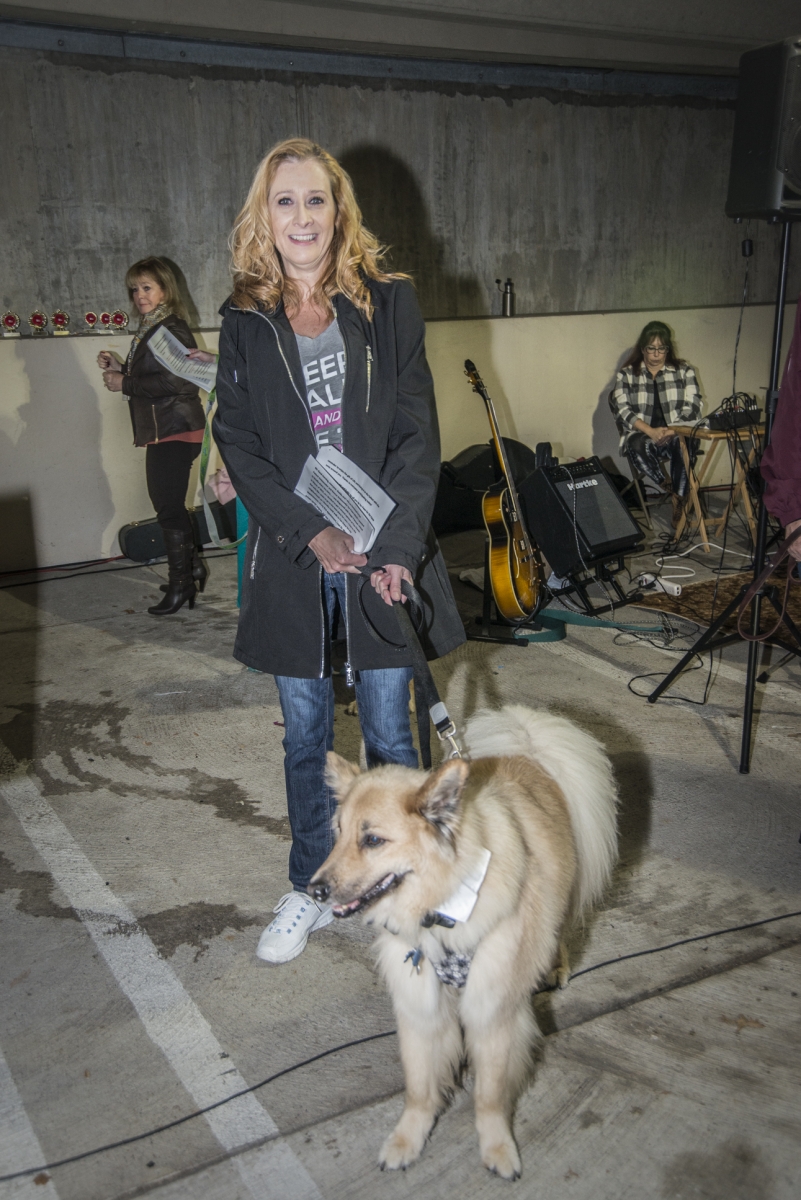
(665, 334)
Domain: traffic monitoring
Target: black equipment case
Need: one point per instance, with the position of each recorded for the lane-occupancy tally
(143, 540)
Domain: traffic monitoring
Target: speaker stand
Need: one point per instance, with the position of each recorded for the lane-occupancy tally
(715, 637)
(492, 626)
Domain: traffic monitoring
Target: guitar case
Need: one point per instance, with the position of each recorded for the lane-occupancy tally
(143, 541)
(464, 480)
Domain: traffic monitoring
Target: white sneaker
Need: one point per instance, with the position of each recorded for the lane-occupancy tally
(286, 937)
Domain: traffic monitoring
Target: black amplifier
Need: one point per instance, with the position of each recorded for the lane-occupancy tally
(575, 515)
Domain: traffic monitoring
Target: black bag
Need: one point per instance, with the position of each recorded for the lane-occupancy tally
(464, 480)
(143, 541)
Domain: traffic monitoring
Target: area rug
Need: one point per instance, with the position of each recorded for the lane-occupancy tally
(695, 601)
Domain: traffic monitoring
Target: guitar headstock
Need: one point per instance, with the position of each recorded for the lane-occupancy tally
(473, 375)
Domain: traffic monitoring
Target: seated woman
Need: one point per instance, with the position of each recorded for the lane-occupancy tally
(654, 390)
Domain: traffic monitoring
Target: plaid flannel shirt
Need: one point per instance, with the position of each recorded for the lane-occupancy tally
(633, 398)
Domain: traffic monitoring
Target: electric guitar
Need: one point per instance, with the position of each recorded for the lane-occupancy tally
(514, 562)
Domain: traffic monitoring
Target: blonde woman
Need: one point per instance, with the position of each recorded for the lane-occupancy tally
(320, 346)
(167, 419)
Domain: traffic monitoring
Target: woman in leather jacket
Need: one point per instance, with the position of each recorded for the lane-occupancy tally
(167, 419)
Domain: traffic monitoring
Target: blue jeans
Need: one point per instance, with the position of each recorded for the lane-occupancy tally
(308, 708)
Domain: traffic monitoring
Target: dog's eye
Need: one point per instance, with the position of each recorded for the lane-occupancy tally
(371, 840)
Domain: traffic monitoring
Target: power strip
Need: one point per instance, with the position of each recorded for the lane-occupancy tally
(651, 583)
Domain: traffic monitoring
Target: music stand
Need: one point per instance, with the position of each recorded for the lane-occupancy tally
(714, 638)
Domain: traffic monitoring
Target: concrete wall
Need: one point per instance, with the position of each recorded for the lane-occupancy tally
(590, 203)
(71, 476)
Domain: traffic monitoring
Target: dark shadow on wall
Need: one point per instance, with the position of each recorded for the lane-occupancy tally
(605, 434)
(59, 454)
(394, 210)
(190, 308)
(18, 627)
(17, 541)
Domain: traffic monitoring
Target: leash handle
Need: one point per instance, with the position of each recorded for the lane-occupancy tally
(759, 582)
(430, 708)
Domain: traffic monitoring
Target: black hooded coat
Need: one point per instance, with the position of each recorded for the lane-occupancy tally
(264, 434)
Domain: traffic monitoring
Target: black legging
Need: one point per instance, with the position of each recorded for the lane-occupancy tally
(168, 465)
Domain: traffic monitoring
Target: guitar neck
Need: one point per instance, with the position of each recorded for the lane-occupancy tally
(500, 448)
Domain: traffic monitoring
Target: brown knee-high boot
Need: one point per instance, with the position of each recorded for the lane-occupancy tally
(181, 587)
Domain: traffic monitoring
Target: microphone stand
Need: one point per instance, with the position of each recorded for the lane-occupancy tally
(714, 638)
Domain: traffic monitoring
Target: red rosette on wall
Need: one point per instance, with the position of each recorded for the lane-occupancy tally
(90, 320)
(9, 322)
(105, 320)
(119, 320)
(61, 321)
(38, 321)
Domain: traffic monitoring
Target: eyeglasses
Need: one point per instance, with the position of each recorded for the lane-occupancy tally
(656, 349)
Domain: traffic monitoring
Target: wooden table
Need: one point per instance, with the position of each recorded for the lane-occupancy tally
(692, 501)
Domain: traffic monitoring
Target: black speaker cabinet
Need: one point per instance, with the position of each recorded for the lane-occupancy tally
(765, 175)
(575, 515)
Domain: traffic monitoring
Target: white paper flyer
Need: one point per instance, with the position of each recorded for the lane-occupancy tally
(172, 354)
(346, 496)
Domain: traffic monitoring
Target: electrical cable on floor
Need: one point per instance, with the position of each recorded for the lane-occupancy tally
(374, 1037)
(108, 571)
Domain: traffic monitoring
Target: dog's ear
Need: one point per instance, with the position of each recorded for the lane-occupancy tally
(339, 773)
(440, 796)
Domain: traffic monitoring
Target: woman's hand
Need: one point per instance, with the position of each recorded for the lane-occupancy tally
(656, 435)
(113, 379)
(107, 362)
(387, 582)
(201, 355)
(795, 549)
(334, 549)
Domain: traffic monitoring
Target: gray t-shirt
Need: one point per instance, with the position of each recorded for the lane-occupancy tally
(323, 362)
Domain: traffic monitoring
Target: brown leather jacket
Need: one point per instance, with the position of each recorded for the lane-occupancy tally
(161, 404)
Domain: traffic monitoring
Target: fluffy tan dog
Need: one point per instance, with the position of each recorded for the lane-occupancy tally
(471, 873)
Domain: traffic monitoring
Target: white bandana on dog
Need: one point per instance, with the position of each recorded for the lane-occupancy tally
(460, 905)
(454, 968)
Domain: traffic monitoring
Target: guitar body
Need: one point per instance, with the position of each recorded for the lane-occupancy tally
(513, 566)
(515, 570)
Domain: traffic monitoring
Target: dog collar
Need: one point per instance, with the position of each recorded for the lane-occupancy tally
(460, 905)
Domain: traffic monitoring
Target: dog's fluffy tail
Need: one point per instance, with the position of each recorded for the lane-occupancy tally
(579, 765)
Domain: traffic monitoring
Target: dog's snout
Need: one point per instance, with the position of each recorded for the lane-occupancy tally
(321, 891)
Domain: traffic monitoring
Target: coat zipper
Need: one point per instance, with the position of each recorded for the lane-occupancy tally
(323, 623)
(289, 373)
(369, 376)
(155, 422)
(255, 552)
(311, 427)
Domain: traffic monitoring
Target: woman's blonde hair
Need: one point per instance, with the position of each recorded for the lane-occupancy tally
(259, 277)
(162, 272)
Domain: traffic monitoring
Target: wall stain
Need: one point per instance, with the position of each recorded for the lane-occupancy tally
(35, 891)
(193, 925)
(65, 728)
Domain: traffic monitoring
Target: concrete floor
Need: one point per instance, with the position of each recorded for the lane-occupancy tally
(144, 842)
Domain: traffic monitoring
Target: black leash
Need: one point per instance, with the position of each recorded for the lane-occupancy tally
(427, 700)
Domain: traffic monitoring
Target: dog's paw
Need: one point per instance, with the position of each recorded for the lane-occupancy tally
(399, 1152)
(502, 1159)
(559, 975)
